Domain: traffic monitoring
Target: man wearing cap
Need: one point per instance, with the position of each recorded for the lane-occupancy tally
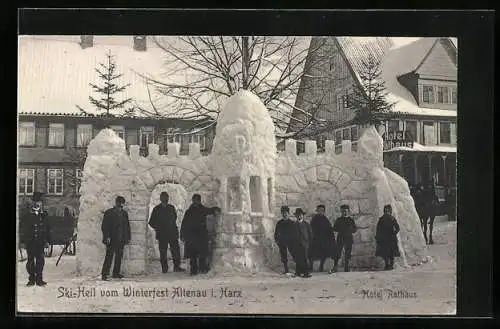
(115, 235)
(345, 228)
(35, 233)
(303, 244)
(164, 221)
(285, 237)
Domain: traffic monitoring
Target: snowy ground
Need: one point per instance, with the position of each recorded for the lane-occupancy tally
(428, 289)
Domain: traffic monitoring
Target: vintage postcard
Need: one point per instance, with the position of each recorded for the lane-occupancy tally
(237, 174)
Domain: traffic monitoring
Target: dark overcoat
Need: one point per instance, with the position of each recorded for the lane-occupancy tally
(346, 227)
(386, 237)
(304, 234)
(323, 242)
(116, 226)
(194, 230)
(35, 229)
(164, 221)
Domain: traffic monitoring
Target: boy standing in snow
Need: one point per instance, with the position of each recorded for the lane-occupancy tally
(323, 243)
(386, 238)
(303, 244)
(284, 237)
(345, 227)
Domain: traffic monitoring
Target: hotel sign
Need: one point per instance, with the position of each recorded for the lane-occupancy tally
(397, 139)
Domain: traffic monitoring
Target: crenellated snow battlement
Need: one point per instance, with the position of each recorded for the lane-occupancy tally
(173, 151)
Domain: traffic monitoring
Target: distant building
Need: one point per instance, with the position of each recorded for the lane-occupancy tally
(54, 76)
(421, 78)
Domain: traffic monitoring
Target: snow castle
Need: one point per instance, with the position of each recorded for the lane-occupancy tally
(249, 180)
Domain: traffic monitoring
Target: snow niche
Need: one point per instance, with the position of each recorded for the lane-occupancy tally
(243, 162)
(179, 198)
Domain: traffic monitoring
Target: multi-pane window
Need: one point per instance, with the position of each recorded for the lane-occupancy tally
(340, 102)
(346, 100)
(428, 133)
(146, 136)
(453, 95)
(56, 134)
(428, 94)
(443, 95)
(392, 126)
(354, 133)
(338, 137)
(119, 130)
(55, 180)
(346, 134)
(26, 181)
(444, 132)
(27, 133)
(83, 135)
(411, 130)
(78, 178)
(200, 139)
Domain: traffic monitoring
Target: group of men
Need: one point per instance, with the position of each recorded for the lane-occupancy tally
(197, 232)
(307, 242)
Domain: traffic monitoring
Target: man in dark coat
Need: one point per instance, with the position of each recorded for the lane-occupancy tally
(35, 234)
(164, 221)
(304, 240)
(345, 228)
(115, 235)
(194, 234)
(386, 238)
(323, 243)
(285, 236)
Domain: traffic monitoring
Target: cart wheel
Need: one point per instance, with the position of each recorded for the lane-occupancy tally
(48, 251)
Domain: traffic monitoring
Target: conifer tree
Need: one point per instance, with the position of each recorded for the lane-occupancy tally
(369, 97)
(108, 90)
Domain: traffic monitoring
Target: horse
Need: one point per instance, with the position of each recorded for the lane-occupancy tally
(426, 203)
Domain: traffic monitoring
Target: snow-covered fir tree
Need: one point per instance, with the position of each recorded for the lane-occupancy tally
(108, 90)
(369, 98)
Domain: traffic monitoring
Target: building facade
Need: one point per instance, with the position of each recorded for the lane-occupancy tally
(54, 75)
(421, 83)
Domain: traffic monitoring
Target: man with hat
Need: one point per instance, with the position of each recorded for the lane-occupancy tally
(303, 244)
(284, 235)
(115, 235)
(35, 233)
(345, 228)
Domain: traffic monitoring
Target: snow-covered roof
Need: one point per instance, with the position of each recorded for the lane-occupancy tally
(54, 72)
(403, 59)
(425, 148)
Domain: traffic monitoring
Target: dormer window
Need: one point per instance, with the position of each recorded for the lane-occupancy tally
(428, 94)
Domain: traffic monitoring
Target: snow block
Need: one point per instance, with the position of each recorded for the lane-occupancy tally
(194, 151)
(173, 150)
(311, 147)
(330, 147)
(346, 146)
(291, 148)
(153, 151)
(134, 152)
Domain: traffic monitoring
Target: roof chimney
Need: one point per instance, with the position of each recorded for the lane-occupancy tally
(140, 43)
(86, 41)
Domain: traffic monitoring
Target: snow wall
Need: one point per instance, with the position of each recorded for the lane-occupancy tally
(249, 181)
